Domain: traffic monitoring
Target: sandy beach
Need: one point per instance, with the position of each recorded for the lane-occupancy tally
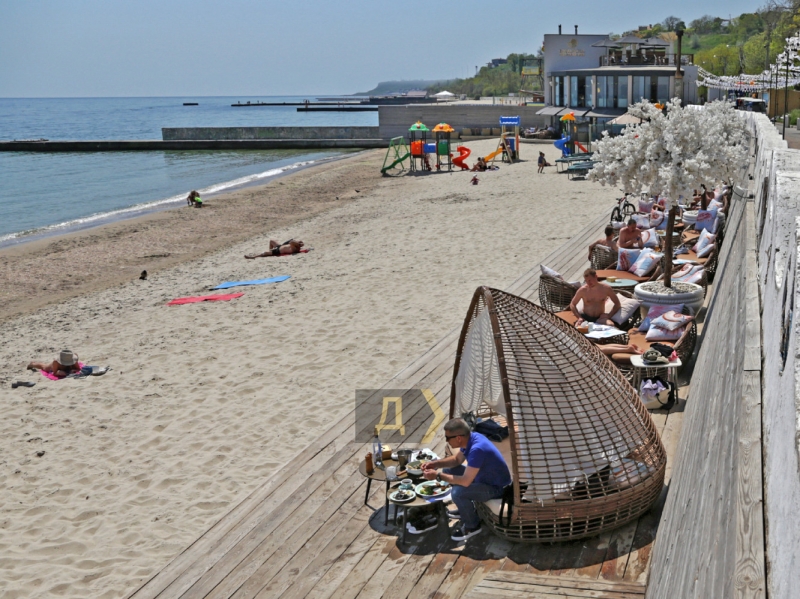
(107, 478)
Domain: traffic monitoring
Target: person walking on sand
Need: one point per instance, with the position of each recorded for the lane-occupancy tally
(194, 199)
(66, 364)
(279, 249)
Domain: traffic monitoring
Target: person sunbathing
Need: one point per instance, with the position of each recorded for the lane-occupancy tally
(279, 249)
(66, 364)
(480, 165)
(608, 241)
(629, 236)
(618, 348)
(594, 295)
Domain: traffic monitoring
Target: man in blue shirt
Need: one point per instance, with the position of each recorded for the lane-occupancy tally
(482, 479)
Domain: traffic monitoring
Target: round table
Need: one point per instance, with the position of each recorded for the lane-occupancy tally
(622, 283)
(379, 474)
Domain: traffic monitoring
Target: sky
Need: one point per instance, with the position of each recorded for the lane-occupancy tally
(103, 48)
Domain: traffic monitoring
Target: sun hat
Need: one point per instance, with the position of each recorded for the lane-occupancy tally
(67, 358)
(652, 356)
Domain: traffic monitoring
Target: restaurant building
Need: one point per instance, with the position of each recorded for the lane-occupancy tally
(596, 77)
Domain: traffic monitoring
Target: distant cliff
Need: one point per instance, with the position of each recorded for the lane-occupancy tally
(385, 88)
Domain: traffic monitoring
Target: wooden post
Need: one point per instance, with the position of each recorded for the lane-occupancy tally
(668, 248)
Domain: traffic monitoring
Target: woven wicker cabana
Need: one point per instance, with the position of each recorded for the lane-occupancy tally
(584, 453)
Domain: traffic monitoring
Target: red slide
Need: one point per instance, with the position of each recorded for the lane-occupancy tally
(584, 150)
(463, 153)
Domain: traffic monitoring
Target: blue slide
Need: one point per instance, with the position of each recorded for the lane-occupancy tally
(561, 144)
(256, 282)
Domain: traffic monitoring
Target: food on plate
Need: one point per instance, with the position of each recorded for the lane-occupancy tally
(434, 488)
(402, 495)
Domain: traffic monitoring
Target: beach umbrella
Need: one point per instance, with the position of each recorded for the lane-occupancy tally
(625, 119)
(443, 127)
(444, 94)
(568, 117)
(418, 126)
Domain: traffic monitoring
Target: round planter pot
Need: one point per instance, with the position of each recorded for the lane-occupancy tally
(689, 218)
(653, 293)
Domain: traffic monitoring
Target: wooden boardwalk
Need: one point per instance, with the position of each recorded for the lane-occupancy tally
(307, 533)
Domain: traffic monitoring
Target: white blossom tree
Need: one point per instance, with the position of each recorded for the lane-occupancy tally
(672, 153)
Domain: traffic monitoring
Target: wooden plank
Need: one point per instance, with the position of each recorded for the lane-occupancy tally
(512, 584)
(457, 579)
(752, 346)
(749, 574)
(362, 572)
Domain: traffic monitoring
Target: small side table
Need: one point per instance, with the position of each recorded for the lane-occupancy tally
(640, 368)
(403, 507)
(378, 474)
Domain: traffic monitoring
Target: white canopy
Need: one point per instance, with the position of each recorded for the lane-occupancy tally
(444, 94)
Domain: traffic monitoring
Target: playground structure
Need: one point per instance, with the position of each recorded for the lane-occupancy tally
(508, 146)
(420, 148)
(569, 144)
(441, 134)
(396, 154)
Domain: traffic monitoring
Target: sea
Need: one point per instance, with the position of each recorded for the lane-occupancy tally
(44, 194)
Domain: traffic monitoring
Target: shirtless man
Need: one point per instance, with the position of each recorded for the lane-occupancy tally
(279, 249)
(608, 241)
(594, 295)
(630, 236)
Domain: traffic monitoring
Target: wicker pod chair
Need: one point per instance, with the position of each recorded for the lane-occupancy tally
(555, 294)
(602, 257)
(585, 456)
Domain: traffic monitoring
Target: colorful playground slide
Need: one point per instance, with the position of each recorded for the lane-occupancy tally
(583, 149)
(561, 144)
(463, 153)
(395, 162)
(492, 155)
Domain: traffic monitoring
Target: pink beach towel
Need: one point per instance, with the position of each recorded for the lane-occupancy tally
(53, 377)
(204, 298)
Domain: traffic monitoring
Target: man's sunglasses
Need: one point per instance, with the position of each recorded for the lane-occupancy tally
(452, 437)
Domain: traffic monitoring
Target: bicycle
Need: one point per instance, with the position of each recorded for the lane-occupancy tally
(623, 210)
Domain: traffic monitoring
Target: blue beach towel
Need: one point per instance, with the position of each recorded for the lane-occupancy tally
(256, 282)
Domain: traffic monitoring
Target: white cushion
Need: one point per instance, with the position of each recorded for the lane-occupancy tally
(645, 263)
(627, 308)
(706, 250)
(642, 220)
(626, 258)
(659, 334)
(550, 272)
(650, 238)
(646, 205)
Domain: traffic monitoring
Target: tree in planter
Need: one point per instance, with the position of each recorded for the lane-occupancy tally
(672, 152)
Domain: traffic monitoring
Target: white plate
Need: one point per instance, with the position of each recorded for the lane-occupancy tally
(430, 483)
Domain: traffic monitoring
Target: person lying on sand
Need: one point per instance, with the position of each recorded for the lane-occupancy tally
(608, 241)
(594, 295)
(277, 249)
(66, 364)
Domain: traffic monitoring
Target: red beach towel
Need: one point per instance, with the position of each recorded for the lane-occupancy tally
(204, 298)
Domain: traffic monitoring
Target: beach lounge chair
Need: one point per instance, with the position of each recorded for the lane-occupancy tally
(585, 455)
(684, 347)
(555, 294)
(603, 257)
